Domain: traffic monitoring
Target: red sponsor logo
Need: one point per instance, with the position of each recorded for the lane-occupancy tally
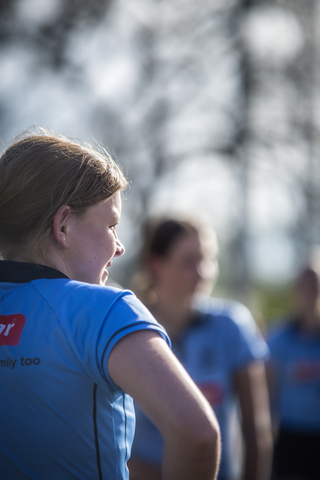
(11, 327)
(306, 370)
(213, 393)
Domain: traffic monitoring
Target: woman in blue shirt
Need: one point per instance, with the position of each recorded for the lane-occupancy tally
(217, 342)
(294, 376)
(73, 351)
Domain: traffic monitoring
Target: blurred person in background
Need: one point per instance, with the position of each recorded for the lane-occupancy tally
(217, 342)
(294, 379)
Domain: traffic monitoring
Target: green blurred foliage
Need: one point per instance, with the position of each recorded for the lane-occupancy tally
(273, 302)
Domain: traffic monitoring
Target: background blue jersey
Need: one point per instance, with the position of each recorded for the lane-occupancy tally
(295, 358)
(61, 416)
(222, 339)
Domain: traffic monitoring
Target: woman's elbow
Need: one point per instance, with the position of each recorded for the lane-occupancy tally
(206, 440)
(201, 439)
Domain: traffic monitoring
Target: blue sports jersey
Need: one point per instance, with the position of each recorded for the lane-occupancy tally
(61, 415)
(222, 339)
(295, 357)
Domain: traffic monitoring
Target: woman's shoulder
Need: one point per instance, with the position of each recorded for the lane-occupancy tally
(225, 311)
(73, 295)
(67, 286)
(234, 325)
(86, 307)
(280, 330)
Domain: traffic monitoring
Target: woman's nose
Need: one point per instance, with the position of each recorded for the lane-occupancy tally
(120, 249)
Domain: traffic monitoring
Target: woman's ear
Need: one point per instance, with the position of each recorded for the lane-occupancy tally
(60, 222)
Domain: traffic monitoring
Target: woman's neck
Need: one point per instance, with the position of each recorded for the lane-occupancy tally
(173, 314)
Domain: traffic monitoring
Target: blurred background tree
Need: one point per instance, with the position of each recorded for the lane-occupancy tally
(211, 106)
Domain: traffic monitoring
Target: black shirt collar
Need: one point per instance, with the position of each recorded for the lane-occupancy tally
(20, 272)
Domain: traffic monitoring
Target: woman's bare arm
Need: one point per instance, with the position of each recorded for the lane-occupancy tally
(143, 366)
(251, 387)
(142, 470)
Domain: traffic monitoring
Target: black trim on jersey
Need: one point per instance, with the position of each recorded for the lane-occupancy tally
(95, 426)
(125, 424)
(117, 333)
(123, 396)
(21, 272)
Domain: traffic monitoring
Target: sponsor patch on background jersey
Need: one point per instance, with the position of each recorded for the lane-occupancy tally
(213, 393)
(306, 370)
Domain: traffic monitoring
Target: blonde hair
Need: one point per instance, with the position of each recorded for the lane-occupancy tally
(41, 171)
